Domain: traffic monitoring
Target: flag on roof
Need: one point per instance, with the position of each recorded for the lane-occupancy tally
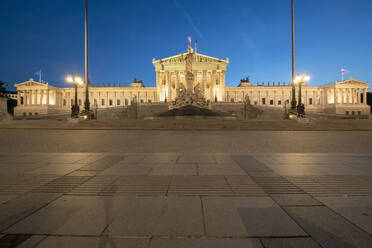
(344, 71)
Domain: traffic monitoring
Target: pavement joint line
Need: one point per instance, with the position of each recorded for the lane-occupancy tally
(159, 236)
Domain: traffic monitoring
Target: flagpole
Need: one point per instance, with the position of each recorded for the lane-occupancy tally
(86, 59)
(293, 102)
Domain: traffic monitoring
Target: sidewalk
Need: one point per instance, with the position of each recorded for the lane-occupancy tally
(196, 124)
(185, 200)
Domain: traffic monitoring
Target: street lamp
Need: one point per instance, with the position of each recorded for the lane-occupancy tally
(75, 81)
(300, 79)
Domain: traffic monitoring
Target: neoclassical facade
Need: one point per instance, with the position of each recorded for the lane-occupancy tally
(346, 98)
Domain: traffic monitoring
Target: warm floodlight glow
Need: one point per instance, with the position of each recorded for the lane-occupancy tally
(78, 80)
(306, 78)
(69, 79)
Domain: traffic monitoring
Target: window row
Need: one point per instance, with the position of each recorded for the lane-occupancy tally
(103, 102)
(271, 102)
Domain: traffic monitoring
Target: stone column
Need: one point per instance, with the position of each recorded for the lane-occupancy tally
(335, 95)
(47, 96)
(223, 83)
(359, 96)
(41, 97)
(214, 85)
(166, 95)
(204, 81)
(177, 80)
(19, 98)
(157, 79)
(170, 86)
(365, 96)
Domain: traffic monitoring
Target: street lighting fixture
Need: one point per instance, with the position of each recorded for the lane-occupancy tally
(300, 79)
(75, 81)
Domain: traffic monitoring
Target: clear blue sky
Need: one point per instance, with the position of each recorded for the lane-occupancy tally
(125, 36)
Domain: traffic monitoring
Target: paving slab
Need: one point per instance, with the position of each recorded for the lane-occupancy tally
(253, 216)
(249, 163)
(196, 158)
(32, 242)
(223, 158)
(5, 198)
(174, 169)
(139, 185)
(124, 169)
(173, 216)
(290, 243)
(220, 169)
(357, 209)
(328, 228)
(19, 208)
(295, 200)
(66, 159)
(164, 158)
(69, 215)
(200, 185)
(205, 243)
(296, 170)
(93, 242)
(56, 169)
(18, 169)
(244, 186)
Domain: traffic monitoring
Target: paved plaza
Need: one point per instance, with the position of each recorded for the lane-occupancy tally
(260, 200)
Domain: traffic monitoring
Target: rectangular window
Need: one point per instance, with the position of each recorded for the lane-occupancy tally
(347, 112)
(263, 101)
(359, 113)
(149, 100)
(141, 101)
(126, 102)
(64, 102)
(72, 102)
(352, 112)
(110, 102)
(232, 100)
(118, 102)
(255, 102)
(310, 101)
(271, 102)
(279, 102)
(103, 102)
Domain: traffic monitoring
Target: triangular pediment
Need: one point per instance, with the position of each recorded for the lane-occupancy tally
(31, 83)
(199, 58)
(352, 82)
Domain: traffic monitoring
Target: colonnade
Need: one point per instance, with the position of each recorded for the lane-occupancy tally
(34, 97)
(346, 96)
(318, 96)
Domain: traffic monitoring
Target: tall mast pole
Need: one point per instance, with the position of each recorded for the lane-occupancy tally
(86, 59)
(293, 103)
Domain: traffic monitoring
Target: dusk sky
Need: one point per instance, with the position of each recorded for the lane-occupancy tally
(124, 36)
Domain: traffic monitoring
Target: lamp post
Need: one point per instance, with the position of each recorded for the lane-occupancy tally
(75, 81)
(86, 103)
(293, 102)
(300, 79)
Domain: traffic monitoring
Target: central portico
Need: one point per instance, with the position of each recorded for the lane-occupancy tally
(207, 71)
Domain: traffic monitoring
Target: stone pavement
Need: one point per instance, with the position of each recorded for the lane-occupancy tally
(258, 200)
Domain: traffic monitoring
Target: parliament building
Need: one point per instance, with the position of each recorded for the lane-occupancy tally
(344, 98)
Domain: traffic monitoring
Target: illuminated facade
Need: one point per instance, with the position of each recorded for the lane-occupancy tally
(347, 97)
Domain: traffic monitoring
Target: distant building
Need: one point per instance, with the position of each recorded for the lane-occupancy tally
(336, 98)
